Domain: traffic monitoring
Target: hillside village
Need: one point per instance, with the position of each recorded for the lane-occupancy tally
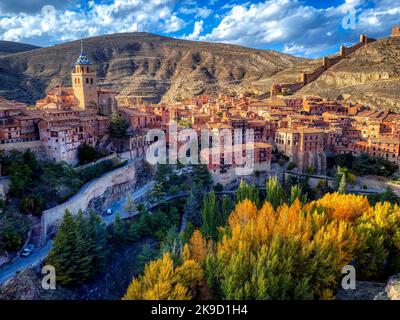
(291, 132)
(306, 129)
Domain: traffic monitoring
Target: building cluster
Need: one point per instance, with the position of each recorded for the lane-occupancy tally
(305, 129)
(65, 119)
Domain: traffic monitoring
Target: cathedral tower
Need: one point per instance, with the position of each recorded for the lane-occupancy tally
(84, 83)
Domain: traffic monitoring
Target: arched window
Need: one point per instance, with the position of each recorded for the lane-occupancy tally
(91, 81)
(87, 69)
(87, 80)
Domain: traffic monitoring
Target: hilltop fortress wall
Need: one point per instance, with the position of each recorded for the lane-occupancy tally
(327, 62)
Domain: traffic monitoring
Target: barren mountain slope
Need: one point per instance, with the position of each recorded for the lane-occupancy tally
(144, 65)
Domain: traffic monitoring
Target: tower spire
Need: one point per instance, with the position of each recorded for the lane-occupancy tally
(81, 45)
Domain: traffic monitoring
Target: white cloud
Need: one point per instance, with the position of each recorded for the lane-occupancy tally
(117, 16)
(299, 28)
(197, 30)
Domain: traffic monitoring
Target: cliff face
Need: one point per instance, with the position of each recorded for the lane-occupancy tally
(144, 65)
(371, 75)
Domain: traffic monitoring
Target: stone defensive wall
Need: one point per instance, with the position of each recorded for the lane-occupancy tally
(310, 77)
(327, 62)
(35, 146)
(124, 177)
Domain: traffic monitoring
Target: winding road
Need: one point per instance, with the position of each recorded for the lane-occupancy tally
(21, 263)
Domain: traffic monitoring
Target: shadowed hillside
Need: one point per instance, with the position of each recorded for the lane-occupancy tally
(9, 47)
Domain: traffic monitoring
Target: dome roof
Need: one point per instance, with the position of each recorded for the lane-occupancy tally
(83, 59)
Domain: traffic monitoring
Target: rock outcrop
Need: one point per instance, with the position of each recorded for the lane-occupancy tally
(393, 288)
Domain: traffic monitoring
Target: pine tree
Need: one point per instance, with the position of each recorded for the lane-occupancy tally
(96, 235)
(119, 232)
(63, 254)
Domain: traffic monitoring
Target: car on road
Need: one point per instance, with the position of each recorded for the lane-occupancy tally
(109, 212)
(28, 250)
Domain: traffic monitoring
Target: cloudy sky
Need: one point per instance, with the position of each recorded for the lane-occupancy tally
(307, 28)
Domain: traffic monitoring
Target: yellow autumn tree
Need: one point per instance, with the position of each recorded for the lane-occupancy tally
(342, 206)
(290, 253)
(162, 281)
(378, 251)
(198, 246)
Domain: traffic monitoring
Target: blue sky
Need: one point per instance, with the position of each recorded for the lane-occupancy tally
(309, 28)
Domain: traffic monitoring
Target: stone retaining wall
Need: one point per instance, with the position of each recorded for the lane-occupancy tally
(35, 146)
(123, 178)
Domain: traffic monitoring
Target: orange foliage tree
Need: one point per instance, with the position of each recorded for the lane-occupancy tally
(162, 281)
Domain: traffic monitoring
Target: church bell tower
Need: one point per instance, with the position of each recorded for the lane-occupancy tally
(84, 83)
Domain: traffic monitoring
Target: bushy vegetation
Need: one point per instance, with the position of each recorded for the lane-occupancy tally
(364, 164)
(157, 224)
(88, 154)
(284, 249)
(37, 186)
(118, 126)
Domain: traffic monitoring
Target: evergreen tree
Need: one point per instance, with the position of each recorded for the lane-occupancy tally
(118, 126)
(210, 216)
(158, 191)
(96, 235)
(202, 176)
(80, 248)
(62, 256)
(192, 206)
(274, 192)
(226, 207)
(249, 192)
(119, 233)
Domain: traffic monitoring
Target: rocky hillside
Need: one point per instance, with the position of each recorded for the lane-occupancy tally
(144, 65)
(370, 75)
(8, 47)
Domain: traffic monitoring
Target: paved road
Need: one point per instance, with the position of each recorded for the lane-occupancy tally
(118, 206)
(21, 263)
(40, 254)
